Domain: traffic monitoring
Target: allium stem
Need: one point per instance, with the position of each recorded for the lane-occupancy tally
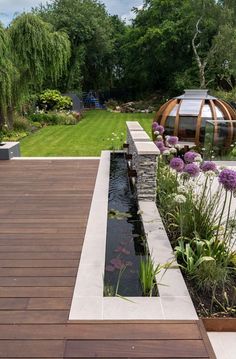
(221, 215)
(203, 193)
(229, 207)
(181, 221)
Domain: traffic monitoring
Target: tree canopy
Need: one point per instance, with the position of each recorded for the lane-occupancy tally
(32, 53)
(77, 45)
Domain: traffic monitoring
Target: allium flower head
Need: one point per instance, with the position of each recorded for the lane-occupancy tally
(208, 166)
(190, 156)
(172, 140)
(227, 178)
(159, 138)
(177, 164)
(180, 198)
(154, 126)
(160, 145)
(166, 152)
(192, 170)
(160, 129)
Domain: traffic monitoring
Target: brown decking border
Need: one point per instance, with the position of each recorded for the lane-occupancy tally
(43, 215)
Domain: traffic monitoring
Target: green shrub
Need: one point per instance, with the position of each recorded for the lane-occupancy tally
(226, 95)
(14, 135)
(53, 100)
(54, 118)
(208, 262)
(21, 124)
(111, 104)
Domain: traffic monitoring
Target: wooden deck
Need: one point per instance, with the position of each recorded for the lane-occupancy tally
(43, 215)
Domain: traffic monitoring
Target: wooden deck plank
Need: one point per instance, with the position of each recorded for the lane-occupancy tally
(131, 331)
(36, 292)
(37, 281)
(135, 349)
(31, 348)
(43, 216)
(34, 272)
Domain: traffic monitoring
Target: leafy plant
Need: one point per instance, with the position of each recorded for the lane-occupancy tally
(147, 275)
(54, 118)
(109, 290)
(208, 262)
(21, 124)
(114, 214)
(191, 259)
(53, 100)
(111, 104)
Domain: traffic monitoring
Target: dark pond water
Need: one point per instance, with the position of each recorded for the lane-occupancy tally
(125, 234)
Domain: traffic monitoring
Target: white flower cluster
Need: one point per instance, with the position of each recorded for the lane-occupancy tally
(173, 150)
(180, 199)
(182, 189)
(210, 174)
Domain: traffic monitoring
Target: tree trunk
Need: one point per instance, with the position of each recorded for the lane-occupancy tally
(202, 77)
(2, 118)
(10, 112)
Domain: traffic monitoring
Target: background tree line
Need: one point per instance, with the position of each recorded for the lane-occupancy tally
(170, 44)
(75, 45)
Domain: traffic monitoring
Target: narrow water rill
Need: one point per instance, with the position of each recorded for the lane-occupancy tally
(126, 242)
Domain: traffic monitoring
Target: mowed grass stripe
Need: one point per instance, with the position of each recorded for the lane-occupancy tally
(88, 138)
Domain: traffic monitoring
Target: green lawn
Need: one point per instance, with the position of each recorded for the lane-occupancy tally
(88, 138)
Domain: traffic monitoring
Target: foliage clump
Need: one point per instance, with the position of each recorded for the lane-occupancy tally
(53, 100)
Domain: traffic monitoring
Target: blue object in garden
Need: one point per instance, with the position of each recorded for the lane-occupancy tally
(91, 101)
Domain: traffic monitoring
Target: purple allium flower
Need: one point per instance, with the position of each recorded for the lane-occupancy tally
(227, 178)
(160, 129)
(154, 126)
(173, 140)
(190, 156)
(192, 169)
(160, 145)
(177, 164)
(208, 166)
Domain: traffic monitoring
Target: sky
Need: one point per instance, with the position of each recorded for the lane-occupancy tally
(8, 8)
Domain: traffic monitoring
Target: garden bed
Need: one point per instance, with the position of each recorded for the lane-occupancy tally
(196, 202)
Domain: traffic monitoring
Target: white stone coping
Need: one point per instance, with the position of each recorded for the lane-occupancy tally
(8, 145)
(146, 148)
(55, 158)
(139, 136)
(224, 344)
(88, 302)
(134, 126)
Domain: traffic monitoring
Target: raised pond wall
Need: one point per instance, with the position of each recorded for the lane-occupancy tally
(144, 161)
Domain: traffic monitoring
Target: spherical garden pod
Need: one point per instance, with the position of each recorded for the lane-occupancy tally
(186, 116)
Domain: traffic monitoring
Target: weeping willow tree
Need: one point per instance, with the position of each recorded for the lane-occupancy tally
(6, 75)
(38, 54)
